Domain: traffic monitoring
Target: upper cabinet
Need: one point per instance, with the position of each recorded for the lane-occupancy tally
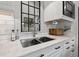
(60, 10)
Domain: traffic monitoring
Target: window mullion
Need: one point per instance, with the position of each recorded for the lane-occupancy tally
(21, 16)
(34, 15)
(39, 16)
(28, 16)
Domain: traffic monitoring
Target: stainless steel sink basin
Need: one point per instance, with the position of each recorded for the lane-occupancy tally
(31, 42)
(26, 43)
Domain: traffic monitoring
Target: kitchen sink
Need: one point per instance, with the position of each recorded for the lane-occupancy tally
(26, 43)
(31, 42)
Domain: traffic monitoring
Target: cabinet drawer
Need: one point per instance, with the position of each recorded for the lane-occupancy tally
(67, 51)
(72, 41)
(69, 48)
(67, 43)
(57, 54)
(46, 51)
(56, 48)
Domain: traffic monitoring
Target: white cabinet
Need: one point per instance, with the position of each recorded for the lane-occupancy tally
(54, 11)
(46, 52)
(73, 46)
(67, 52)
(62, 49)
(59, 53)
(69, 48)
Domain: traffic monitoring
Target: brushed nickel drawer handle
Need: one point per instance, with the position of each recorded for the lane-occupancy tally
(67, 47)
(73, 50)
(72, 40)
(67, 42)
(72, 45)
(57, 47)
(41, 55)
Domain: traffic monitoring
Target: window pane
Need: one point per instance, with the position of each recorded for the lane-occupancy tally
(31, 10)
(31, 3)
(31, 28)
(26, 2)
(24, 18)
(24, 27)
(31, 19)
(37, 4)
(31, 23)
(25, 8)
(37, 12)
(37, 19)
(36, 27)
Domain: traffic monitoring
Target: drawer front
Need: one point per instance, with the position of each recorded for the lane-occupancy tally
(73, 41)
(69, 48)
(46, 51)
(69, 42)
(57, 54)
(67, 51)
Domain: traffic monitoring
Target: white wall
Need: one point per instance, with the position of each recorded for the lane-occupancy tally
(46, 3)
(14, 6)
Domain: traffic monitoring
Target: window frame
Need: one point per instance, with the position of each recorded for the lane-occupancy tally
(22, 3)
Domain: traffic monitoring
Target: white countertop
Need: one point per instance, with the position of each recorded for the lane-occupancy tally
(15, 49)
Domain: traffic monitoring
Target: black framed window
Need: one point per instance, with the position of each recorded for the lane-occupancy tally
(69, 9)
(30, 16)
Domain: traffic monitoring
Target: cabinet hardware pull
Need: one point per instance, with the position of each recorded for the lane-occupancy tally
(67, 47)
(67, 42)
(41, 55)
(72, 40)
(73, 45)
(57, 47)
(73, 50)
